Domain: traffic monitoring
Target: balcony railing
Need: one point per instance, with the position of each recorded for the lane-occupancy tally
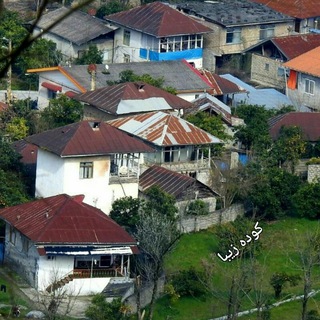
(97, 273)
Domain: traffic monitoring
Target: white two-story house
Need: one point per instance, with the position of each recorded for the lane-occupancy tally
(155, 32)
(90, 158)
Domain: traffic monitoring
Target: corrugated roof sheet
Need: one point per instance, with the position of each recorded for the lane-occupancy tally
(171, 182)
(308, 62)
(78, 27)
(295, 45)
(164, 129)
(158, 19)
(87, 138)
(309, 122)
(27, 150)
(63, 219)
(230, 13)
(269, 98)
(177, 74)
(293, 8)
(139, 97)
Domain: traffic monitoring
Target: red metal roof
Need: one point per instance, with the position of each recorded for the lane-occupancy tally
(87, 138)
(51, 86)
(27, 150)
(298, 9)
(308, 62)
(63, 219)
(171, 182)
(295, 45)
(159, 20)
(309, 122)
(109, 98)
(164, 129)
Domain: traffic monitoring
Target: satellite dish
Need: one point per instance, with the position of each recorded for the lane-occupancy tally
(107, 67)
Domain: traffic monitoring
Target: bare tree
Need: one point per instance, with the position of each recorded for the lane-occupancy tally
(156, 234)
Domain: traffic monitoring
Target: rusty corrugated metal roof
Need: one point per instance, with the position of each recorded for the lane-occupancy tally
(308, 63)
(171, 182)
(87, 138)
(63, 219)
(28, 151)
(158, 19)
(136, 96)
(293, 8)
(309, 122)
(220, 85)
(164, 129)
(295, 45)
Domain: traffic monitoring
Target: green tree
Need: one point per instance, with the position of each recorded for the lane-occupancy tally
(111, 7)
(17, 129)
(289, 147)
(100, 309)
(161, 202)
(125, 211)
(92, 55)
(306, 201)
(198, 208)
(60, 112)
(278, 281)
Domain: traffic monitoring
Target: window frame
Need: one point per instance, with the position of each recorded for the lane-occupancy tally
(265, 29)
(86, 170)
(233, 34)
(309, 86)
(126, 37)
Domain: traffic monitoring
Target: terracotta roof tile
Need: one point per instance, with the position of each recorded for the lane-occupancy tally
(87, 138)
(309, 122)
(163, 129)
(308, 62)
(159, 20)
(63, 219)
(294, 8)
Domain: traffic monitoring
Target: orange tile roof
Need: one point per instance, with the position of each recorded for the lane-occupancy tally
(308, 63)
(298, 9)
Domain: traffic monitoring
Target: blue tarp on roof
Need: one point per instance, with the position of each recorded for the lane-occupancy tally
(269, 98)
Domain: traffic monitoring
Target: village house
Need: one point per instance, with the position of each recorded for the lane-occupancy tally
(180, 146)
(178, 74)
(129, 98)
(60, 241)
(305, 12)
(236, 25)
(73, 41)
(155, 32)
(303, 84)
(91, 158)
(268, 56)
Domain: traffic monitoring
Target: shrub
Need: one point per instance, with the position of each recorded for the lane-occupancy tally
(198, 208)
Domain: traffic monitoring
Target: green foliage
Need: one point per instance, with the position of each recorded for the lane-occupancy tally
(289, 146)
(130, 76)
(17, 129)
(307, 201)
(198, 208)
(161, 202)
(125, 211)
(111, 7)
(60, 112)
(278, 280)
(231, 233)
(189, 283)
(100, 309)
(92, 55)
(313, 315)
(313, 161)
(254, 134)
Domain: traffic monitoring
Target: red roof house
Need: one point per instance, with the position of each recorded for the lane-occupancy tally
(62, 234)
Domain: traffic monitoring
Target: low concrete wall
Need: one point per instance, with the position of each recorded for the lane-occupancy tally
(313, 173)
(196, 223)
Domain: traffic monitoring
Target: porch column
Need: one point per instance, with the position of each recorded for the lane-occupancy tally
(128, 267)
(179, 152)
(209, 154)
(121, 269)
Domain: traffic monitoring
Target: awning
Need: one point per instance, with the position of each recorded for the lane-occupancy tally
(85, 251)
(70, 94)
(51, 86)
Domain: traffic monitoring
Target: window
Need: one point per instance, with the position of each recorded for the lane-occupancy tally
(266, 31)
(266, 67)
(105, 261)
(309, 86)
(233, 35)
(126, 37)
(25, 244)
(86, 170)
(51, 94)
(12, 235)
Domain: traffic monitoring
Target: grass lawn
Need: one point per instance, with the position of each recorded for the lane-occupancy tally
(279, 240)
